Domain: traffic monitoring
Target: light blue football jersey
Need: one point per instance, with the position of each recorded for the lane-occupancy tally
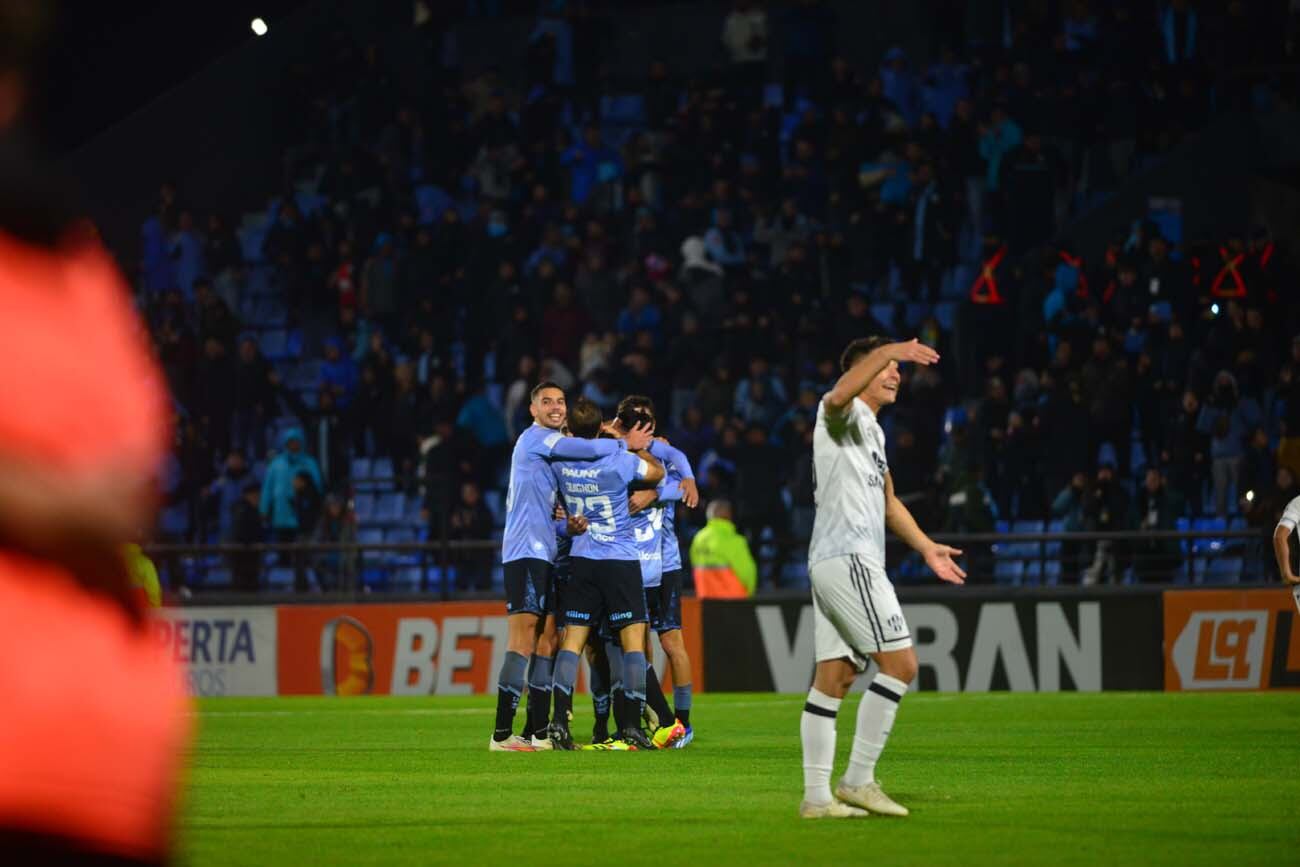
(598, 491)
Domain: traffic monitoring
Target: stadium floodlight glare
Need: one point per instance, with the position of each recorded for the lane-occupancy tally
(1214, 308)
(259, 27)
(1250, 496)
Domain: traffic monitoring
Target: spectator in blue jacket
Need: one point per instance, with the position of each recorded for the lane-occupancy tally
(483, 420)
(277, 488)
(759, 398)
(724, 243)
(338, 373)
(640, 314)
(1228, 419)
(997, 139)
(590, 163)
(224, 492)
(901, 86)
(944, 86)
(187, 253)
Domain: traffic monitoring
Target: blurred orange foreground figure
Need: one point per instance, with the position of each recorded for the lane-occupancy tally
(94, 720)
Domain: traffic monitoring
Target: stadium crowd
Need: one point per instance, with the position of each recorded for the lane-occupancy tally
(713, 241)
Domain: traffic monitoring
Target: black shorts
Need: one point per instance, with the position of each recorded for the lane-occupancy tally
(561, 580)
(664, 603)
(528, 583)
(605, 590)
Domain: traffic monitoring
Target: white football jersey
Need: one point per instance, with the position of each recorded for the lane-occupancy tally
(849, 486)
(1290, 515)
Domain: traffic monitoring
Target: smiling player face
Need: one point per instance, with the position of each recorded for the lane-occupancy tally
(883, 390)
(548, 408)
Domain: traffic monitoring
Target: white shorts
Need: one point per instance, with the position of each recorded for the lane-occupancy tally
(855, 611)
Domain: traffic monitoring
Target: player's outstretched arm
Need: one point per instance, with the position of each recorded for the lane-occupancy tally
(939, 558)
(669, 454)
(578, 449)
(1282, 553)
(859, 376)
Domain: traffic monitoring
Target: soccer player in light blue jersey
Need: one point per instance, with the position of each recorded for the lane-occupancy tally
(529, 545)
(663, 584)
(606, 580)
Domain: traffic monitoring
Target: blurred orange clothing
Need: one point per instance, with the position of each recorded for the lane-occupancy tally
(95, 719)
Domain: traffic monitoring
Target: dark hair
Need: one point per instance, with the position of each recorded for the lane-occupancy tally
(636, 409)
(584, 419)
(860, 347)
(542, 386)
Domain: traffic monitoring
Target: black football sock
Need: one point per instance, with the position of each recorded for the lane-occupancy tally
(600, 695)
(566, 674)
(654, 696)
(619, 705)
(539, 693)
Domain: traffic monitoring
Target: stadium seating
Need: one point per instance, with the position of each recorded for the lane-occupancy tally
(1009, 571)
(412, 514)
(364, 506)
(407, 579)
(384, 513)
(275, 344)
(382, 471)
(1208, 545)
(884, 314)
(280, 579)
(372, 536)
(390, 508)
(361, 468)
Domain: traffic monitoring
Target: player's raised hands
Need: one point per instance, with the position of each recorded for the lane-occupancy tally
(941, 563)
(639, 501)
(913, 351)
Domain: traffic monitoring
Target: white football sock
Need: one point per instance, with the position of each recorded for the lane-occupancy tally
(875, 718)
(817, 731)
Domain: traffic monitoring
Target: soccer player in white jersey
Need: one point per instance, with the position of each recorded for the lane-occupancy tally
(1282, 547)
(856, 616)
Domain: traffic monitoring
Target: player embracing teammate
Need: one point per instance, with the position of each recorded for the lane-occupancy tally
(529, 547)
(653, 516)
(581, 564)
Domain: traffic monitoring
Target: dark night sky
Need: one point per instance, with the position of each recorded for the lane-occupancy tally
(109, 59)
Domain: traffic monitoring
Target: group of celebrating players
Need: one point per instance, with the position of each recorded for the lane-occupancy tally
(591, 571)
(617, 488)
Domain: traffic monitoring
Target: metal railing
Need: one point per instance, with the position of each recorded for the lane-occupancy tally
(460, 569)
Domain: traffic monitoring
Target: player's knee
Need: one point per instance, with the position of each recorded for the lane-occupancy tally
(901, 666)
(546, 644)
(632, 638)
(523, 633)
(575, 640)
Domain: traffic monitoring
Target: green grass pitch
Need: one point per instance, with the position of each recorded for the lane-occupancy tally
(1001, 778)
